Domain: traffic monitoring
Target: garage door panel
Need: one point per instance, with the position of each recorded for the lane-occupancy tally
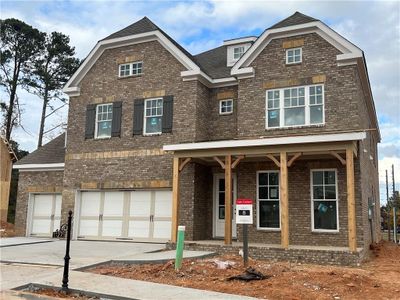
(113, 204)
(162, 229)
(90, 205)
(89, 228)
(41, 226)
(43, 205)
(139, 229)
(140, 204)
(163, 204)
(57, 211)
(112, 228)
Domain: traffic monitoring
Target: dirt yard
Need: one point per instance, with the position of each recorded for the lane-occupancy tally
(6, 229)
(378, 278)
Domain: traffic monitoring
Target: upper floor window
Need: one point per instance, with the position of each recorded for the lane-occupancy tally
(130, 69)
(104, 113)
(295, 106)
(238, 52)
(225, 107)
(153, 116)
(324, 200)
(293, 56)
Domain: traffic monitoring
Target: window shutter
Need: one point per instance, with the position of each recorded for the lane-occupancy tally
(90, 121)
(116, 119)
(168, 111)
(138, 114)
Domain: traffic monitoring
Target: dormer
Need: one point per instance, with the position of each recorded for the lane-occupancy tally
(235, 48)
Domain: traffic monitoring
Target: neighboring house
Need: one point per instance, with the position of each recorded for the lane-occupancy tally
(158, 138)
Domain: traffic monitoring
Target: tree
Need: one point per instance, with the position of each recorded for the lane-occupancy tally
(51, 71)
(20, 43)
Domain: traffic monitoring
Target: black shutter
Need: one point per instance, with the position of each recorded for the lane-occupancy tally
(138, 110)
(116, 119)
(168, 111)
(90, 121)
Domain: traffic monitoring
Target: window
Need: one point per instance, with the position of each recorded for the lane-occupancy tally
(153, 116)
(225, 107)
(324, 200)
(295, 106)
(238, 52)
(268, 200)
(104, 113)
(293, 56)
(130, 69)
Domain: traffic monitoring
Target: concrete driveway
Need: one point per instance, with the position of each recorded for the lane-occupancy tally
(82, 253)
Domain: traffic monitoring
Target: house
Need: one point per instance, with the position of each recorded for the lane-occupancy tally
(158, 137)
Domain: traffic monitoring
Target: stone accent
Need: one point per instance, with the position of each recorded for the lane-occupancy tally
(128, 59)
(225, 95)
(127, 184)
(274, 84)
(151, 94)
(114, 154)
(293, 43)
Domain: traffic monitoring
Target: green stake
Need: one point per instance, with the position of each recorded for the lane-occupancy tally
(179, 247)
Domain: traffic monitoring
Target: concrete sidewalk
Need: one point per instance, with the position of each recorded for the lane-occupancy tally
(16, 241)
(133, 289)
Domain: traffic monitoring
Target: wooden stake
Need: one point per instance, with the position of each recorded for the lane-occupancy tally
(284, 201)
(175, 199)
(228, 199)
(351, 205)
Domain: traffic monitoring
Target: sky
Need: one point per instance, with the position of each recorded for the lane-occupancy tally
(374, 26)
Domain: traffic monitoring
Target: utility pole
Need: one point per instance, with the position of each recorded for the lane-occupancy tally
(394, 208)
(387, 206)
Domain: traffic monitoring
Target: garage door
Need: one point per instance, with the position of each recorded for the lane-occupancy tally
(46, 214)
(134, 215)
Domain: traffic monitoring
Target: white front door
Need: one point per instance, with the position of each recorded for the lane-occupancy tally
(46, 214)
(219, 205)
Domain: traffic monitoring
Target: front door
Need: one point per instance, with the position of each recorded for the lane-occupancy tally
(219, 205)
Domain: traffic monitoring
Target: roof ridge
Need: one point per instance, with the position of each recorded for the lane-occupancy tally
(294, 19)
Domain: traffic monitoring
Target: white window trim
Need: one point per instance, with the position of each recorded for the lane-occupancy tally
(220, 107)
(294, 62)
(95, 124)
(312, 202)
(306, 106)
(145, 118)
(130, 69)
(258, 202)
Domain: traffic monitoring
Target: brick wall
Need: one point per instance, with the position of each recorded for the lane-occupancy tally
(34, 182)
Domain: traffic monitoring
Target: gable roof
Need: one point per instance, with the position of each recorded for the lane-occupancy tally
(296, 19)
(51, 153)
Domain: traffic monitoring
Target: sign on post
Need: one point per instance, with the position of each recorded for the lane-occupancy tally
(244, 211)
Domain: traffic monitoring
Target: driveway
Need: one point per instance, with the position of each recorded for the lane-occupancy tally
(82, 253)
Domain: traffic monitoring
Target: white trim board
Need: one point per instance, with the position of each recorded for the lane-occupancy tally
(40, 167)
(290, 140)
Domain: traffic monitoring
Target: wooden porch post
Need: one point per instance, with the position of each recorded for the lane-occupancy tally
(175, 199)
(228, 199)
(284, 195)
(351, 204)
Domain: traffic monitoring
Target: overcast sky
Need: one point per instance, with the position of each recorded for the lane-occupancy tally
(374, 26)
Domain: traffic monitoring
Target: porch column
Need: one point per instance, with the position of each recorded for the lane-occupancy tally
(351, 204)
(228, 199)
(284, 201)
(175, 199)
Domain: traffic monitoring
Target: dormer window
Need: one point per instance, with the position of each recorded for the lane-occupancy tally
(238, 52)
(293, 56)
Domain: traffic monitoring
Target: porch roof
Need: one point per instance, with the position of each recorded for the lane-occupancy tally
(275, 141)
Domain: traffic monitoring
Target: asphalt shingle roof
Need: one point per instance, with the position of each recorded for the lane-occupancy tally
(296, 19)
(52, 152)
(214, 62)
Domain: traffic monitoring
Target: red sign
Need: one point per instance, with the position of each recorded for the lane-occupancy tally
(244, 201)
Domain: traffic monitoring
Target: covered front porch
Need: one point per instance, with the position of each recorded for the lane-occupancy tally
(288, 157)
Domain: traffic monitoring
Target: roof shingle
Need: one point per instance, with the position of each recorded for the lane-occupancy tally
(296, 19)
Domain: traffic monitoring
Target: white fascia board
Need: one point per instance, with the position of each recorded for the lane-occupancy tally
(40, 167)
(125, 41)
(249, 39)
(348, 49)
(207, 80)
(290, 140)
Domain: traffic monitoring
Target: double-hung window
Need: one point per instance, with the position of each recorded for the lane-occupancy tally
(104, 113)
(295, 106)
(268, 200)
(130, 69)
(293, 56)
(153, 113)
(225, 107)
(324, 200)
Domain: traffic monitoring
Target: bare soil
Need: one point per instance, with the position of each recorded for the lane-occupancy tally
(378, 278)
(6, 229)
(59, 294)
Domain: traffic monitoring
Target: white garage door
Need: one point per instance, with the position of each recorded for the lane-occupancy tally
(46, 214)
(135, 215)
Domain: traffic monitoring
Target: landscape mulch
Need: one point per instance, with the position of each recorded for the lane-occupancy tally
(378, 278)
(6, 229)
